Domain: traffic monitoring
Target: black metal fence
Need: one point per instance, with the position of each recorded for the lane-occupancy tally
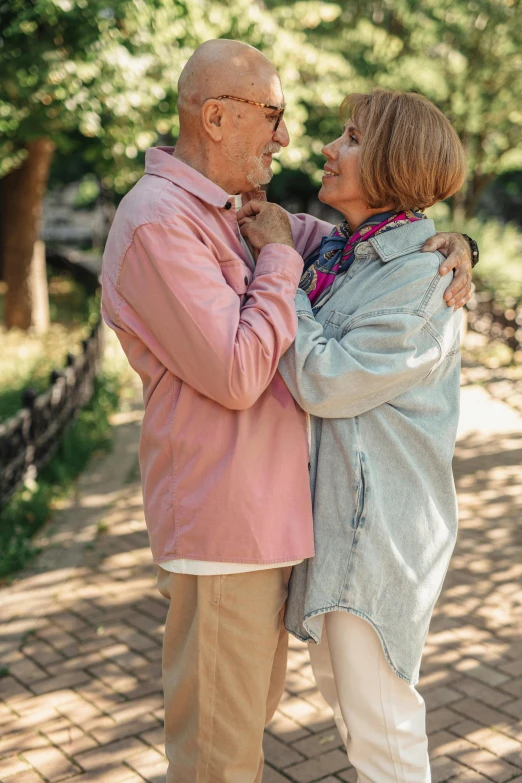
(29, 439)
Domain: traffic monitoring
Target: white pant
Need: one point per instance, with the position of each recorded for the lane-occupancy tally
(381, 718)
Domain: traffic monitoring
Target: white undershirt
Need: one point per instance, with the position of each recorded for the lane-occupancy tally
(204, 568)
(210, 568)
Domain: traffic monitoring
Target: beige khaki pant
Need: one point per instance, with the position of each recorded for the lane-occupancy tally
(224, 664)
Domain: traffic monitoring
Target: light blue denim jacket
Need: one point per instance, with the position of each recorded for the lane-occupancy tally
(378, 370)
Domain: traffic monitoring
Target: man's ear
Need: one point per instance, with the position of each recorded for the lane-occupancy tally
(212, 115)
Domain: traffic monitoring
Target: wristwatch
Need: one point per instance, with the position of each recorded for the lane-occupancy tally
(474, 250)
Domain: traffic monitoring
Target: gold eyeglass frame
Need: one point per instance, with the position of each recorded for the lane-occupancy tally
(279, 109)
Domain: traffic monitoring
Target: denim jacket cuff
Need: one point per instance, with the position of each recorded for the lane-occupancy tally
(302, 304)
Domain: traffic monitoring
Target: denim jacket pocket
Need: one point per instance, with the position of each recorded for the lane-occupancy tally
(338, 324)
(358, 518)
(331, 325)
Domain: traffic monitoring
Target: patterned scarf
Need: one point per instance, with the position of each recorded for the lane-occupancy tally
(336, 253)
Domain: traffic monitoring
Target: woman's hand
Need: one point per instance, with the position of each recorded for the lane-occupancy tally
(458, 257)
(264, 224)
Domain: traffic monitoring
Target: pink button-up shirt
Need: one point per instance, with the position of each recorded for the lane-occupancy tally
(223, 450)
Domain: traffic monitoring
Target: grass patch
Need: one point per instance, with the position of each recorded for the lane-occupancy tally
(31, 506)
(500, 268)
(27, 360)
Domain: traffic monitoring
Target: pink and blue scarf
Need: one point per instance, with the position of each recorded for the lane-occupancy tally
(336, 252)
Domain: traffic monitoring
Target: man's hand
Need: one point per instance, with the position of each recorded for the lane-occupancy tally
(458, 257)
(264, 224)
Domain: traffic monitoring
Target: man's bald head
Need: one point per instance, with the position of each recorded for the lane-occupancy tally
(231, 142)
(223, 67)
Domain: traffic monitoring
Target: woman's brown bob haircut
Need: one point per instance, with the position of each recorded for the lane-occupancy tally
(410, 156)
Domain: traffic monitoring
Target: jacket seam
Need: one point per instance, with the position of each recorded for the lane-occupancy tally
(361, 499)
(429, 293)
(438, 342)
(374, 314)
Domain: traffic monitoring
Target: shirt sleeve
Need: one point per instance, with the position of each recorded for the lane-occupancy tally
(177, 300)
(307, 232)
(381, 355)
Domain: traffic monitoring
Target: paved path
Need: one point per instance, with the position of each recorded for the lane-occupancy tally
(81, 633)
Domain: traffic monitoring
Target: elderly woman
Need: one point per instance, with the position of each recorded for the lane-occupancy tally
(376, 365)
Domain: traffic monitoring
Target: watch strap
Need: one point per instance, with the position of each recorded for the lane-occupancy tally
(474, 250)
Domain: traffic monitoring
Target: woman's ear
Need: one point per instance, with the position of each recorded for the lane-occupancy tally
(212, 116)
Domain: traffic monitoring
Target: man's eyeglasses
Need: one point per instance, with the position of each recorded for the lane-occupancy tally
(280, 110)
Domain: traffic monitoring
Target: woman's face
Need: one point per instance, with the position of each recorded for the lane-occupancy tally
(341, 189)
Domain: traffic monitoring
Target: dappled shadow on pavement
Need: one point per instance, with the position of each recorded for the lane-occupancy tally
(81, 638)
(82, 630)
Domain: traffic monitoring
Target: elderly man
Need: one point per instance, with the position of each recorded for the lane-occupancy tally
(223, 452)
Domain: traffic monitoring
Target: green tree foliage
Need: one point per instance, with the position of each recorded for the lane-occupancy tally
(106, 71)
(99, 76)
(96, 79)
(464, 55)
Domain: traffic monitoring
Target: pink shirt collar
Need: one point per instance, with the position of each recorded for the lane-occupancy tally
(160, 162)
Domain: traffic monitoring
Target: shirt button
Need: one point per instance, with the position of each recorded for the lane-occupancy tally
(246, 280)
(228, 205)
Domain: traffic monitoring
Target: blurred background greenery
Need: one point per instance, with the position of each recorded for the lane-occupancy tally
(87, 85)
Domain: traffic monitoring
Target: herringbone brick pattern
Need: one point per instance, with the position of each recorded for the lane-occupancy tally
(81, 697)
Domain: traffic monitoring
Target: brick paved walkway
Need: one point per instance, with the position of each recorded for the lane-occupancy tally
(81, 700)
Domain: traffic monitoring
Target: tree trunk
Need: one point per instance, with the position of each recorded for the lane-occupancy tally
(480, 183)
(459, 205)
(23, 190)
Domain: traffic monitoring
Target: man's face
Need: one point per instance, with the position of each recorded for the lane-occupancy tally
(249, 147)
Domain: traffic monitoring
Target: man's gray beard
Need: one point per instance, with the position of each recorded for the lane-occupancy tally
(256, 174)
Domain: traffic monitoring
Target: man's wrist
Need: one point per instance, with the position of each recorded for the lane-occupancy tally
(474, 250)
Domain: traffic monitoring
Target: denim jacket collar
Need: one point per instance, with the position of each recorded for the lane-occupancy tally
(406, 239)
